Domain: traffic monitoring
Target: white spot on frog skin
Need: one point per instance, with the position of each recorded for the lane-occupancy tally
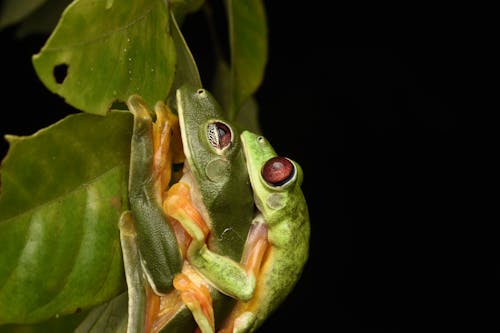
(217, 169)
(275, 201)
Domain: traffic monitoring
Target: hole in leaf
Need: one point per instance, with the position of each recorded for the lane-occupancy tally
(118, 105)
(60, 72)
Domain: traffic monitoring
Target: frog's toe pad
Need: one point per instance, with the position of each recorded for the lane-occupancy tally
(243, 322)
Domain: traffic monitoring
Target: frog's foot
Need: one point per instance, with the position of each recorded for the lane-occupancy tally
(241, 324)
(196, 297)
(167, 147)
(255, 247)
(179, 206)
(225, 274)
(243, 317)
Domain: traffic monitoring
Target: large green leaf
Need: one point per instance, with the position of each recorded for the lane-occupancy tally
(104, 51)
(63, 190)
(60, 324)
(248, 49)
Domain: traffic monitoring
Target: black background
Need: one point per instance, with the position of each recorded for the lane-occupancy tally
(368, 103)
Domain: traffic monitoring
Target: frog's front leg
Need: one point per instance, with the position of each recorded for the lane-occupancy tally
(225, 274)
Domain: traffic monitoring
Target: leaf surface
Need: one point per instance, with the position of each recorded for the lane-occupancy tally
(103, 51)
(63, 190)
(248, 49)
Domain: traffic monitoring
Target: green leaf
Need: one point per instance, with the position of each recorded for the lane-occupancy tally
(248, 49)
(104, 51)
(248, 117)
(109, 317)
(63, 190)
(13, 11)
(186, 68)
(220, 84)
(181, 8)
(61, 324)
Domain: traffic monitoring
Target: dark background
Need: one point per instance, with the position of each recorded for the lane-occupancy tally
(368, 103)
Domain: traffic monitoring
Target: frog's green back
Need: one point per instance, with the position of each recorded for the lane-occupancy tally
(285, 212)
(221, 173)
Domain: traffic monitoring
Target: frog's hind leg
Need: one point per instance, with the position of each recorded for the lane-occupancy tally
(196, 296)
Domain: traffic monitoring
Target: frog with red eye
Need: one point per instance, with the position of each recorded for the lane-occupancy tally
(209, 209)
(278, 244)
(230, 253)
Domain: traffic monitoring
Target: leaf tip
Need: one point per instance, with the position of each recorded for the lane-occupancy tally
(10, 138)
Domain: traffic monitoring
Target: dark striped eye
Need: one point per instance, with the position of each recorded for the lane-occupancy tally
(219, 135)
(278, 171)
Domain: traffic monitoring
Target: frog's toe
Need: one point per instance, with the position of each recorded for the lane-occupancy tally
(243, 322)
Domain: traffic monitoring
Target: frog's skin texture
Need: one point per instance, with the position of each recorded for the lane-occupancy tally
(276, 183)
(210, 210)
(157, 244)
(220, 188)
(213, 201)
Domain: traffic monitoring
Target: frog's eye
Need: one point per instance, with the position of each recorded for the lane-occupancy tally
(278, 171)
(219, 135)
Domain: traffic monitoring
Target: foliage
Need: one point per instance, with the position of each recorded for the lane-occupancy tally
(64, 187)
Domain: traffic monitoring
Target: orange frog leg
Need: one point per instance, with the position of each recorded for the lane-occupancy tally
(196, 296)
(167, 145)
(192, 288)
(167, 148)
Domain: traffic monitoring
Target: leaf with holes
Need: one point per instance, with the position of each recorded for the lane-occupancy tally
(104, 51)
(63, 190)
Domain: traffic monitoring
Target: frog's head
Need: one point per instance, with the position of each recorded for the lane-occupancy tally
(273, 177)
(215, 166)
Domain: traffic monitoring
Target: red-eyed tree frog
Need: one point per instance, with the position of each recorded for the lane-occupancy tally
(276, 247)
(278, 244)
(210, 210)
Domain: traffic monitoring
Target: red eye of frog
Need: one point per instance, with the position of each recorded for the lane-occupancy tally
(278, 170)
(219, 135)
